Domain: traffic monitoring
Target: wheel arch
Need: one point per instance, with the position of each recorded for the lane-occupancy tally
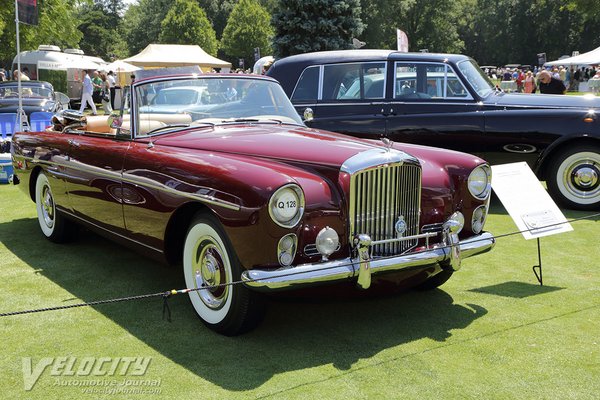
(32, 181)
(177, 228)
(543, 164)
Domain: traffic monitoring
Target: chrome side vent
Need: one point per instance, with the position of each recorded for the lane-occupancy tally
(385, 204)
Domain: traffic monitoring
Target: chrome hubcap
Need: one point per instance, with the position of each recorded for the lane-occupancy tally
(47, 207)
(209, 270)
(581, 176)
(585, 177)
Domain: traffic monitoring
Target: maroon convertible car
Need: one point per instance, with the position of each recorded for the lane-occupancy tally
(222, 177)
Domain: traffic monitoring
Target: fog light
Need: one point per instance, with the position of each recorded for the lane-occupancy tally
(327, 242)
(286, 249)
(455, 223)
(478, 220)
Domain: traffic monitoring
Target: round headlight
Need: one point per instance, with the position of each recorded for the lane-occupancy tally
(478, 219)
(287, 206)
(327, 241)
(480, 182)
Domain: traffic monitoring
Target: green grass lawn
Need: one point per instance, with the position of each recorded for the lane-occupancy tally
(491, 332)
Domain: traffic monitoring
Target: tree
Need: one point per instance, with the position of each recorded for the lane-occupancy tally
(429, 24)
(248, 27)
(186, 23)
(100, 23)
(142, 23)
(57, 25)
(218, 11)
(311, 25)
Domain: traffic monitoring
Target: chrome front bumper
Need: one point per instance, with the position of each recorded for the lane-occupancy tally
(363, 266)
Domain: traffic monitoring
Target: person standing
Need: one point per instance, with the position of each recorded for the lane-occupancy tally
(550, 85)
(86, 94)
(529, 83)
(97, 84)
(112, 83)
(105, 95)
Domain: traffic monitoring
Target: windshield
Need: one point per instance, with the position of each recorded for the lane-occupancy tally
(12, 91)
(476, 78)
(210, 100)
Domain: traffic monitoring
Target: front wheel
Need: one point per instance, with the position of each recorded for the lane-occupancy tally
(574, 177)
(210, 265)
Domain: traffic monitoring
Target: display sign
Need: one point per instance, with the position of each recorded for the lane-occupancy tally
(527, 202)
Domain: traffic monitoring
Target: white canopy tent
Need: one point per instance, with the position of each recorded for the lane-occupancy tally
(122, 71)
(589, 58)
(175, 55)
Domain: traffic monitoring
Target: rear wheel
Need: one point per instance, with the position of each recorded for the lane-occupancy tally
(53, 225)
(209, 262)
(574, 177)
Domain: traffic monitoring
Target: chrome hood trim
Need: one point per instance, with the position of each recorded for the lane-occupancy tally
(375, 157)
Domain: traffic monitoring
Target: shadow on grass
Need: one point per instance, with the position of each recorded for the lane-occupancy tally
(519, 290)
(295, 335)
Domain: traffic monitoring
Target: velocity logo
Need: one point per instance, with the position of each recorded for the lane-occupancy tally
(83, 367)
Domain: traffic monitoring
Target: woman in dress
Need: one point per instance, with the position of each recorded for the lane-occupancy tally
(529, 83)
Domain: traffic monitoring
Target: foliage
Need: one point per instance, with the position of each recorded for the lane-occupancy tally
(57, 25)
(429, 24)
(99, 21)
(142, 23)
(218, 11)
(186, 23)
(248, 27)
(314, 25)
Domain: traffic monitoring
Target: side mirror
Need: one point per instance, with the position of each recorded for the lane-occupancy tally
(115, 121)
(308, 114)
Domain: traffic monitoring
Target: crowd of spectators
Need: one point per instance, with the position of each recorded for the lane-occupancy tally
(554, 80)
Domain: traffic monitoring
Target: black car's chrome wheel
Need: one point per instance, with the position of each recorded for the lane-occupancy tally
(574, 177)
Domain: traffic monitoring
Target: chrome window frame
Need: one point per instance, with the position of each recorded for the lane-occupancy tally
(447, 68)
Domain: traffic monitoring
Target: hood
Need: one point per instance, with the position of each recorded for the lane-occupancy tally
(543, 100)
(29, 105)
(277, 142)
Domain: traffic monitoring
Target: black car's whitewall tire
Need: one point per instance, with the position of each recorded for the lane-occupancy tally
(53, 225)
(209, 260)
(574, 177)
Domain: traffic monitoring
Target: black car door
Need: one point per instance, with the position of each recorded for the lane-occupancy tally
(347, 98)
(430, 105)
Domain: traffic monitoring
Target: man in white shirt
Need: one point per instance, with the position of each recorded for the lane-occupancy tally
(111, 81)
(86, 94)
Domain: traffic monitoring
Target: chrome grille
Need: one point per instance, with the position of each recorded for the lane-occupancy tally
(379, 196)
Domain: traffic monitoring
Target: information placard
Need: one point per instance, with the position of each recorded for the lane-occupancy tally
(527, 202)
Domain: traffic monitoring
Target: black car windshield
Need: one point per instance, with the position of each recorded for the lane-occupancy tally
(211, 100)
(12, 91)
(476, 78)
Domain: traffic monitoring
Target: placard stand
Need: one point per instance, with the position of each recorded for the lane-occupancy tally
(539, 266)
(529, 205)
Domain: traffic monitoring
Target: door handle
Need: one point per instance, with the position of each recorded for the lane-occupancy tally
(73, 142)
(385, 114)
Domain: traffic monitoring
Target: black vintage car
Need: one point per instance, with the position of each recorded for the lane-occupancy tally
(445, 100)
(36, 96)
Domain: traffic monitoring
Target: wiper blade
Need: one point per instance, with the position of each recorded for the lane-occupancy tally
(161, 128)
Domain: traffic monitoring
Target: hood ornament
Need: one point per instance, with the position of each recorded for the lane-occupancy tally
(387, 143)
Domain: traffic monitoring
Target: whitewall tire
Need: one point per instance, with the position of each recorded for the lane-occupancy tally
(209, 261)
(52, 224)
(574, 177)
